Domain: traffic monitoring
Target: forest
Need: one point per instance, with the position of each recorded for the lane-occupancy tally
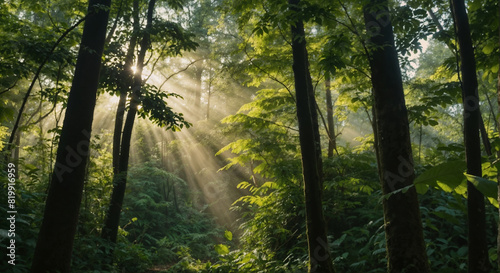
(221, 136)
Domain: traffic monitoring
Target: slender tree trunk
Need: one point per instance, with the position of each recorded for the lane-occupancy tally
(55, 239)
(110, 229)
(332, 141)
(124, 84)
(209, 94)
(117, 133)
(198, 88)
(498, 153)
(478, 260)
(403, 227)
(17, 148)
(319, 255)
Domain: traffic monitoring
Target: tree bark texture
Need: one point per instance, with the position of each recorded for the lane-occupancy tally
(332, 143)
(498, 153)
(110, 229)
(478, 259)
(55, 239)
(319, 254)
(124, 84)
(403, 227)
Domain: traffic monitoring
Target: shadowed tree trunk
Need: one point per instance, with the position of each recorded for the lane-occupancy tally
(55, 239)
(124, 84)
(112, 221)
(319, 254)
(403, 227)
(332, 143)
(478, 259)
(498, 153)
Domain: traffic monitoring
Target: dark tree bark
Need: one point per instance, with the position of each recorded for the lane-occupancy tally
(110, 229)
(319, 254)
(55, 239)
(332, 141)
(124, 85)
(117, 132)
(403, 227)
(478, 259)
(498, 153)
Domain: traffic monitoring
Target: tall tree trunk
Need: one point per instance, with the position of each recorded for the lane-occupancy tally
(198, 88)
(17, 149)
(110, 229)
(478, 260)
(332, 142)
(319, 254)
(124, 84)
(55, 239)
(498, 153)
(117, 132)
(403, 227)
(209, 94)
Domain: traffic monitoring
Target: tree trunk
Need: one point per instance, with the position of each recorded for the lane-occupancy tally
(124, 85)
(117, 133)
(198, 88)
(332, 142)
(478, 259)
(319, 254)
(498, 153)
(110, 229)
(55, 239)
(209, 95)
(403, 227)
(17, 148)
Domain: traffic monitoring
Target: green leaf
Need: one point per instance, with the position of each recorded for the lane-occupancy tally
(229, 235)
(402, 190)
(487, 49)
(494, 69)
(447, 176)
(222, 249)
(433, 122)
(487, 187)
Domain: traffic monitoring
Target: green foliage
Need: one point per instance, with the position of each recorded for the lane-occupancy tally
(166, 223)
(174, 38)
(447, 176)
(3, 134)
(158, 216)
(451, 177)
(28, 218)
(155, 107)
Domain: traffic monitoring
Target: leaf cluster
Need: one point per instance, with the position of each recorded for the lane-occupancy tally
(156, 108)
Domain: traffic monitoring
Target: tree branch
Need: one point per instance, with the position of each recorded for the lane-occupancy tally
(178, 72)
(37, 74)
